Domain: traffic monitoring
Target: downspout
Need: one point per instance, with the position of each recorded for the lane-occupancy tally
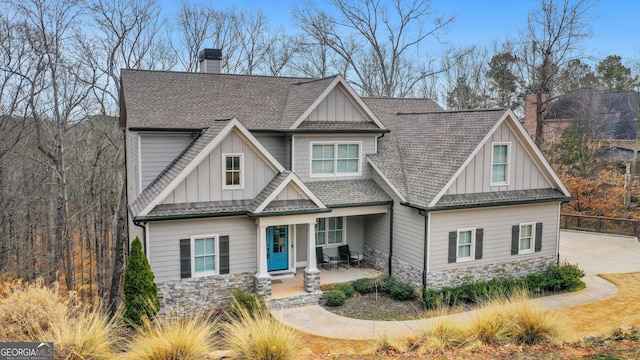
(425, 254)
(390, 239)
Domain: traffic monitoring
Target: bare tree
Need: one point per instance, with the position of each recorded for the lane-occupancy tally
(380, 43)
(552, 39)
(465, 78)
(195, 25)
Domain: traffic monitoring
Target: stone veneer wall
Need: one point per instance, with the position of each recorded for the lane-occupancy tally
(199, 295)
(376, 258)
(410, 274)
(513, 268)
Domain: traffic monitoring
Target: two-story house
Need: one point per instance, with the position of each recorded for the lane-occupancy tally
(234, 180)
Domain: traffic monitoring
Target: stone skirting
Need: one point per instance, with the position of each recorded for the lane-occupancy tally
(513, 268)
(295, 301)
(406, 273)
(200, 295)
(311, 280)
(377, 259)
(262, 286)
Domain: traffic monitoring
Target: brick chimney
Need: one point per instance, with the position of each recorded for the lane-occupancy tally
(210, 61)
(530, 111)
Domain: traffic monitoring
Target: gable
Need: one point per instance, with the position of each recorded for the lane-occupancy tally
(336, 106)
(291, 192)
(205, 181)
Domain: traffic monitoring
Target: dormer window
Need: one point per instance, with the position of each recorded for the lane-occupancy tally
(233, 172)
(335, 158)
(500, 164)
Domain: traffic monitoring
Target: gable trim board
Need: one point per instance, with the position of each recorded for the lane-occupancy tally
(403, 200)
(509, 118)
(340, 83)
(234, 124)
(291, 178)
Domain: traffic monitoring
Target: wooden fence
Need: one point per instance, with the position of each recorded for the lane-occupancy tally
(600, 224)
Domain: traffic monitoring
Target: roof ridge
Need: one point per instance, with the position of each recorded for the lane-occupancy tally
(311, 80)
(218, 74)
(451, 111)
(395, 98)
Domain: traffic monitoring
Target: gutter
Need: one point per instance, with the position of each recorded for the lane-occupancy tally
(223, 214)
(482, 205)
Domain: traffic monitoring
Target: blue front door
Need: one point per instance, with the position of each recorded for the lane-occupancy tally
(277, 247)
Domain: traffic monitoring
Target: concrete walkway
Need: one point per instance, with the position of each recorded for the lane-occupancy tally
(595, 253)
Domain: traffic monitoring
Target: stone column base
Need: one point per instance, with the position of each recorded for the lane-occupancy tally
(263, 286)
(311, 280)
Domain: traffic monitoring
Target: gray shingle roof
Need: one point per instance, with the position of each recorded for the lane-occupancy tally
(499, 197)
(269, 189)
(210, 208)
(424, 150)
(300, 98)
(348, 192)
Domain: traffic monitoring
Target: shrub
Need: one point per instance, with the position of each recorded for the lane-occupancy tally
(86, 335)
(346, 288)
(140, 291)
(334, 298)
(241, 299)
(401, 291)
(27, 312)
(371, 285)
(181, 338)
(260, 337)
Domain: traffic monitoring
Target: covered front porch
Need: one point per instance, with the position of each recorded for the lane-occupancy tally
(294, 286)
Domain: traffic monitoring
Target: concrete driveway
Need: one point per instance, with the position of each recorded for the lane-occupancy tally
(597, 253)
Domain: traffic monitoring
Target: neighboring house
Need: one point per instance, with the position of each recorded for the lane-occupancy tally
(235, 180)
(600, 114)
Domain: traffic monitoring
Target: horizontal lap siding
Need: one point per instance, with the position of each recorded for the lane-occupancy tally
(355, 233)
(158, 151)
(164, 241)
(302, 154)
(408, 230)
(497, 223)
(275, 144)
(476, 177)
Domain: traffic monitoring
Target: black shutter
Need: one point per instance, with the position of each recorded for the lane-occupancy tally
(538, 237)
(515, 239)
(453, 246)
(224, 254)
(185, 258)
(479, 236)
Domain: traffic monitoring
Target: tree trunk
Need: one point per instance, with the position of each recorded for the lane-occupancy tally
(120, 242)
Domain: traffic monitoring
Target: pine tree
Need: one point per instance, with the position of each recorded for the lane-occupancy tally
(140, 291)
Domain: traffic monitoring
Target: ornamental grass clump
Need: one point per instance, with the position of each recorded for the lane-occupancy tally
(259, 336)
(87, 335)
(192, 338)
(29, 311)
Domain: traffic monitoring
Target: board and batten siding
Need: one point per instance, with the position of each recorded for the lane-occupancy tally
(523, 171)
(276, 145)
(336, 107)
(302, 154)
(408, 230)
(204, 183)
(290, 193)
(164, 243)
(497, 223)
(158, 150)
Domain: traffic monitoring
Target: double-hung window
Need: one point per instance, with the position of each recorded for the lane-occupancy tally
(500, 164)
(465, 244)
(204, 254)
(330, 231)
(335, 159)
(233, 174)
(526, 238)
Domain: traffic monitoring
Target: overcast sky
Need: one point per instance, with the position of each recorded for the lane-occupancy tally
(615, 24)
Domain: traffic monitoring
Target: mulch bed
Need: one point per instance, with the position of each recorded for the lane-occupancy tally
(377, 307)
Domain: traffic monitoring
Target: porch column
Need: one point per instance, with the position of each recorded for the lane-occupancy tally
(263, 279)
(311, 272)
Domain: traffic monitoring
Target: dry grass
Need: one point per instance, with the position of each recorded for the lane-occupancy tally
(605, 316)
(260, 336)
(444, 335)
(87, 335)
(29, 311)
(173, 339)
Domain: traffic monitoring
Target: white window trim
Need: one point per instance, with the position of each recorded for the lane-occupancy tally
(344, 233)
(224, 172)
(507, 174)
(532, 243)
(473, 245)
(335, 158)
(216, 242)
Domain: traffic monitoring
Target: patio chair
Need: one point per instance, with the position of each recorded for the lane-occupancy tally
(349, 257)
(322, 259)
